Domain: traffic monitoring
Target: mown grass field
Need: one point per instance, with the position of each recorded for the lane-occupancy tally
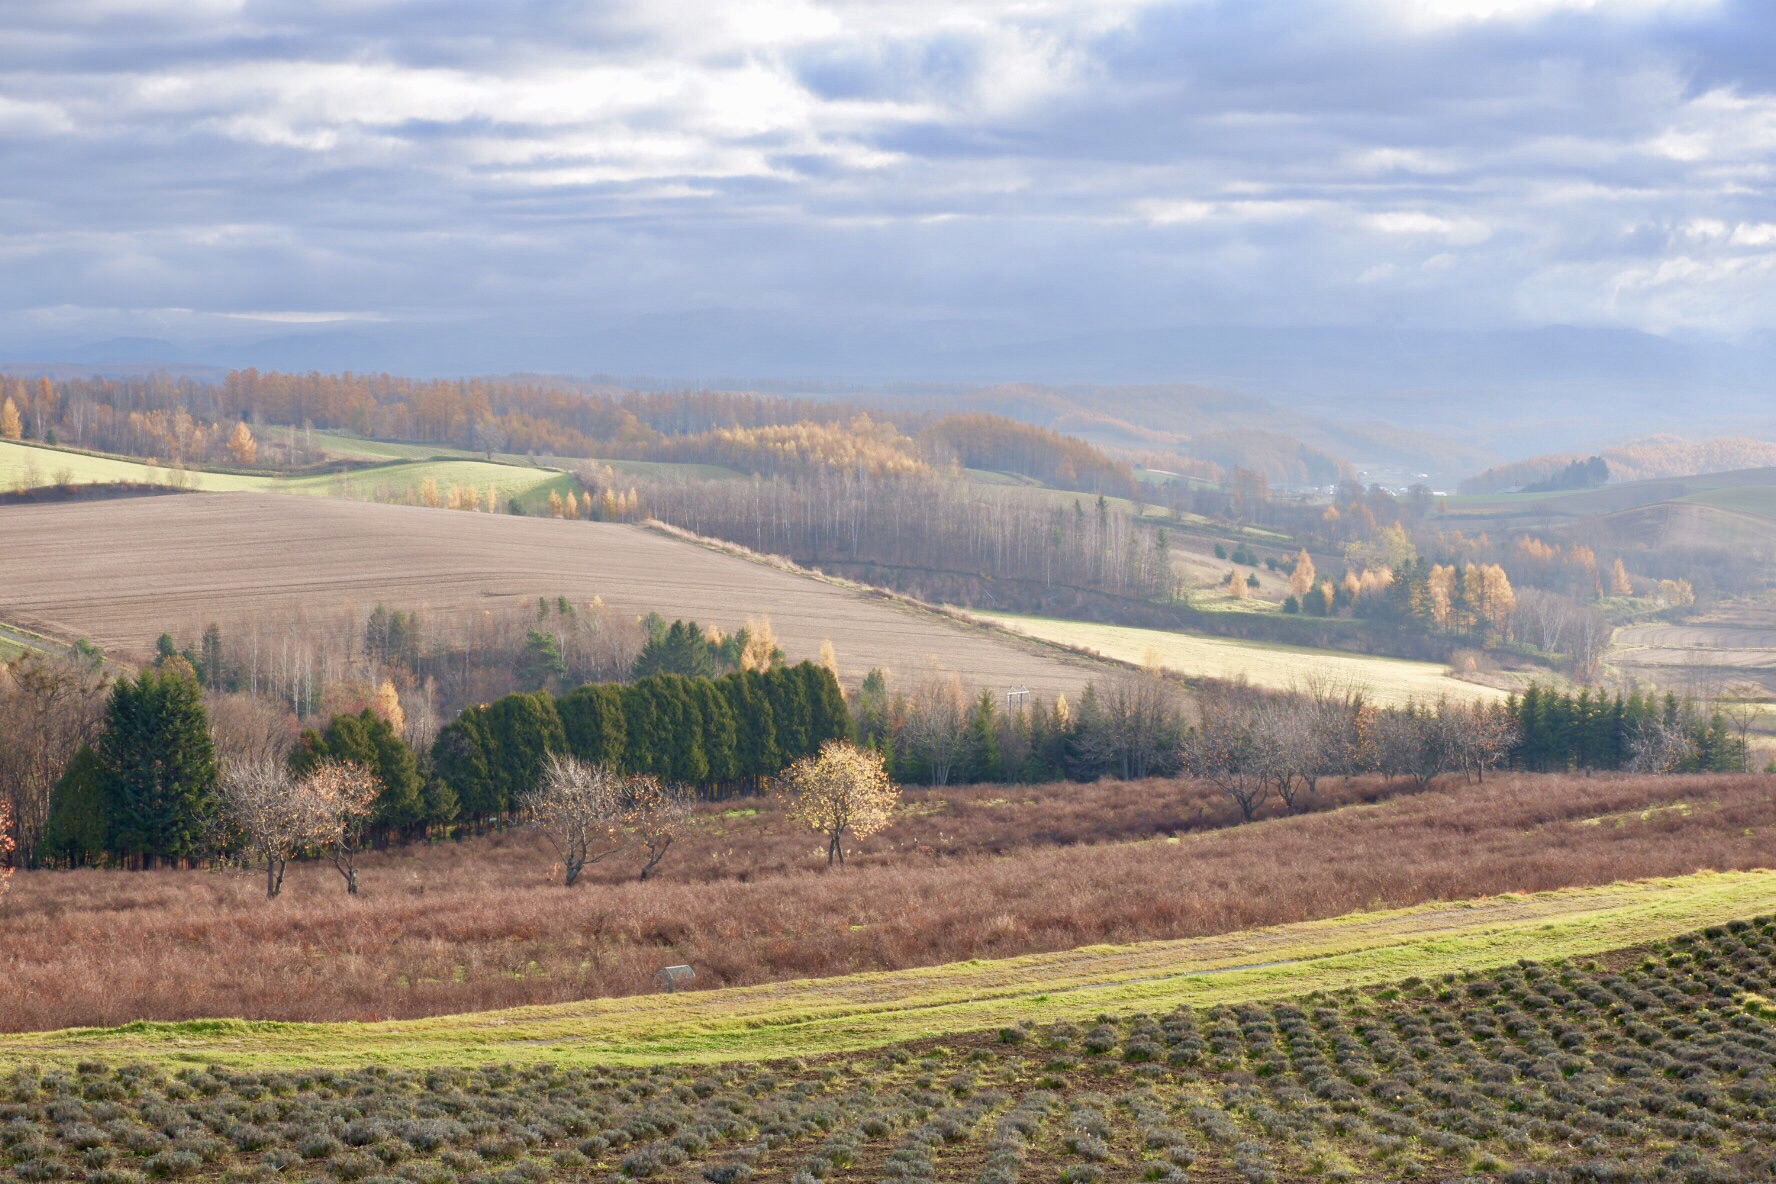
(401, 479)
(808, 1017)
(1264, 664)
(29, 466)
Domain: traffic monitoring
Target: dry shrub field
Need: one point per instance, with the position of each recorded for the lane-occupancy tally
(985, 872)
(121, 572)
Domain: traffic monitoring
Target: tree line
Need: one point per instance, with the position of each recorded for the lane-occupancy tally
(152, 789)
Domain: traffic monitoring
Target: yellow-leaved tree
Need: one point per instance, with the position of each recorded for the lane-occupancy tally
(242, 444)
(1301, 580)
(11, 427)
(841, 789)
(7, 845)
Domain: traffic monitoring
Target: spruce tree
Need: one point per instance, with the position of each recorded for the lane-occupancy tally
(829, 718)
(158, 767)
(785, 691)
(720, 739)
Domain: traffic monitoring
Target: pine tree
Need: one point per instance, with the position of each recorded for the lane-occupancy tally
(158, 767)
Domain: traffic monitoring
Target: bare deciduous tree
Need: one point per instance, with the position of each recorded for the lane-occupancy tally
(251, 728)
(582, 809)
(49, 707)
(935, 724)
(7, 847)
(1139, 715)
(343, 795)
(1223, 748)
(272, 815)
(657, 813)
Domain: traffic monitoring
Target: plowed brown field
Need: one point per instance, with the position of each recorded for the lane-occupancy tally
(121, 572)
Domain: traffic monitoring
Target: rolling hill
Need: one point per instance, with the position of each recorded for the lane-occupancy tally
(119, 572)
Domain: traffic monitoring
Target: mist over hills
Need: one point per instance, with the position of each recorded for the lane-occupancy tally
(1451, 402)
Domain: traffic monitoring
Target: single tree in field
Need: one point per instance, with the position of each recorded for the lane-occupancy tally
(343, 797)
(657, 813)
(582, 809)
(841, 789)
(271, 813)
(242, 444)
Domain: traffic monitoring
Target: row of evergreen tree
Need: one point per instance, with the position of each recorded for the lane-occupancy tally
(713, 733)
(147, 792)
(1559, 731)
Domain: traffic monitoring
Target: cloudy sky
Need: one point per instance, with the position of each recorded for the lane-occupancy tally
(515, 178)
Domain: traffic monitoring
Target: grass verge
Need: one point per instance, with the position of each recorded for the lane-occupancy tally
(872, 1010)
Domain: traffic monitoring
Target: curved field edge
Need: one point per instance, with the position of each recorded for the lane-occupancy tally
(856, 1012)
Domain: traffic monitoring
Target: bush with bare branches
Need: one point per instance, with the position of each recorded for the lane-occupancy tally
(342, 796)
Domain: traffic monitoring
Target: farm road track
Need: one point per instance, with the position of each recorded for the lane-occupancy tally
(121, 572)
(870, 1010)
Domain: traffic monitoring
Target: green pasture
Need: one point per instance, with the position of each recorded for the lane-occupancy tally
(29, 466)
(862, 1011)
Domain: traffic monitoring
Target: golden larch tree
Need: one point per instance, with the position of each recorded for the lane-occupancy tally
(760, 652)
(1301, 580)
(388, 706)
(11, 426)
(841, 790)
(242, 445)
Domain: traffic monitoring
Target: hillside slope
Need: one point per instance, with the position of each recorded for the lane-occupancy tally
(121, 572)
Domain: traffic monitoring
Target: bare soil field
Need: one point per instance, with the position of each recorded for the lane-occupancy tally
(480, 924)
(1712, 652)
(120, 572)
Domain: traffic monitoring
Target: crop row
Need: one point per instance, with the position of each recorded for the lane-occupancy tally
(1660, 1068)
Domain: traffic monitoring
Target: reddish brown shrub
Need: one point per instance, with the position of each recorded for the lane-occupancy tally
(475, 925)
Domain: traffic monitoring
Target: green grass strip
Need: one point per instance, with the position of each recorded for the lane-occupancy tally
(871, 1010)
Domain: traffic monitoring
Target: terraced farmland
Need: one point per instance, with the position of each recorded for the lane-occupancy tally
(120, 572)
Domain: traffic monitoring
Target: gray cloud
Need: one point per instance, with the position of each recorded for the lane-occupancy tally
(528, 176)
